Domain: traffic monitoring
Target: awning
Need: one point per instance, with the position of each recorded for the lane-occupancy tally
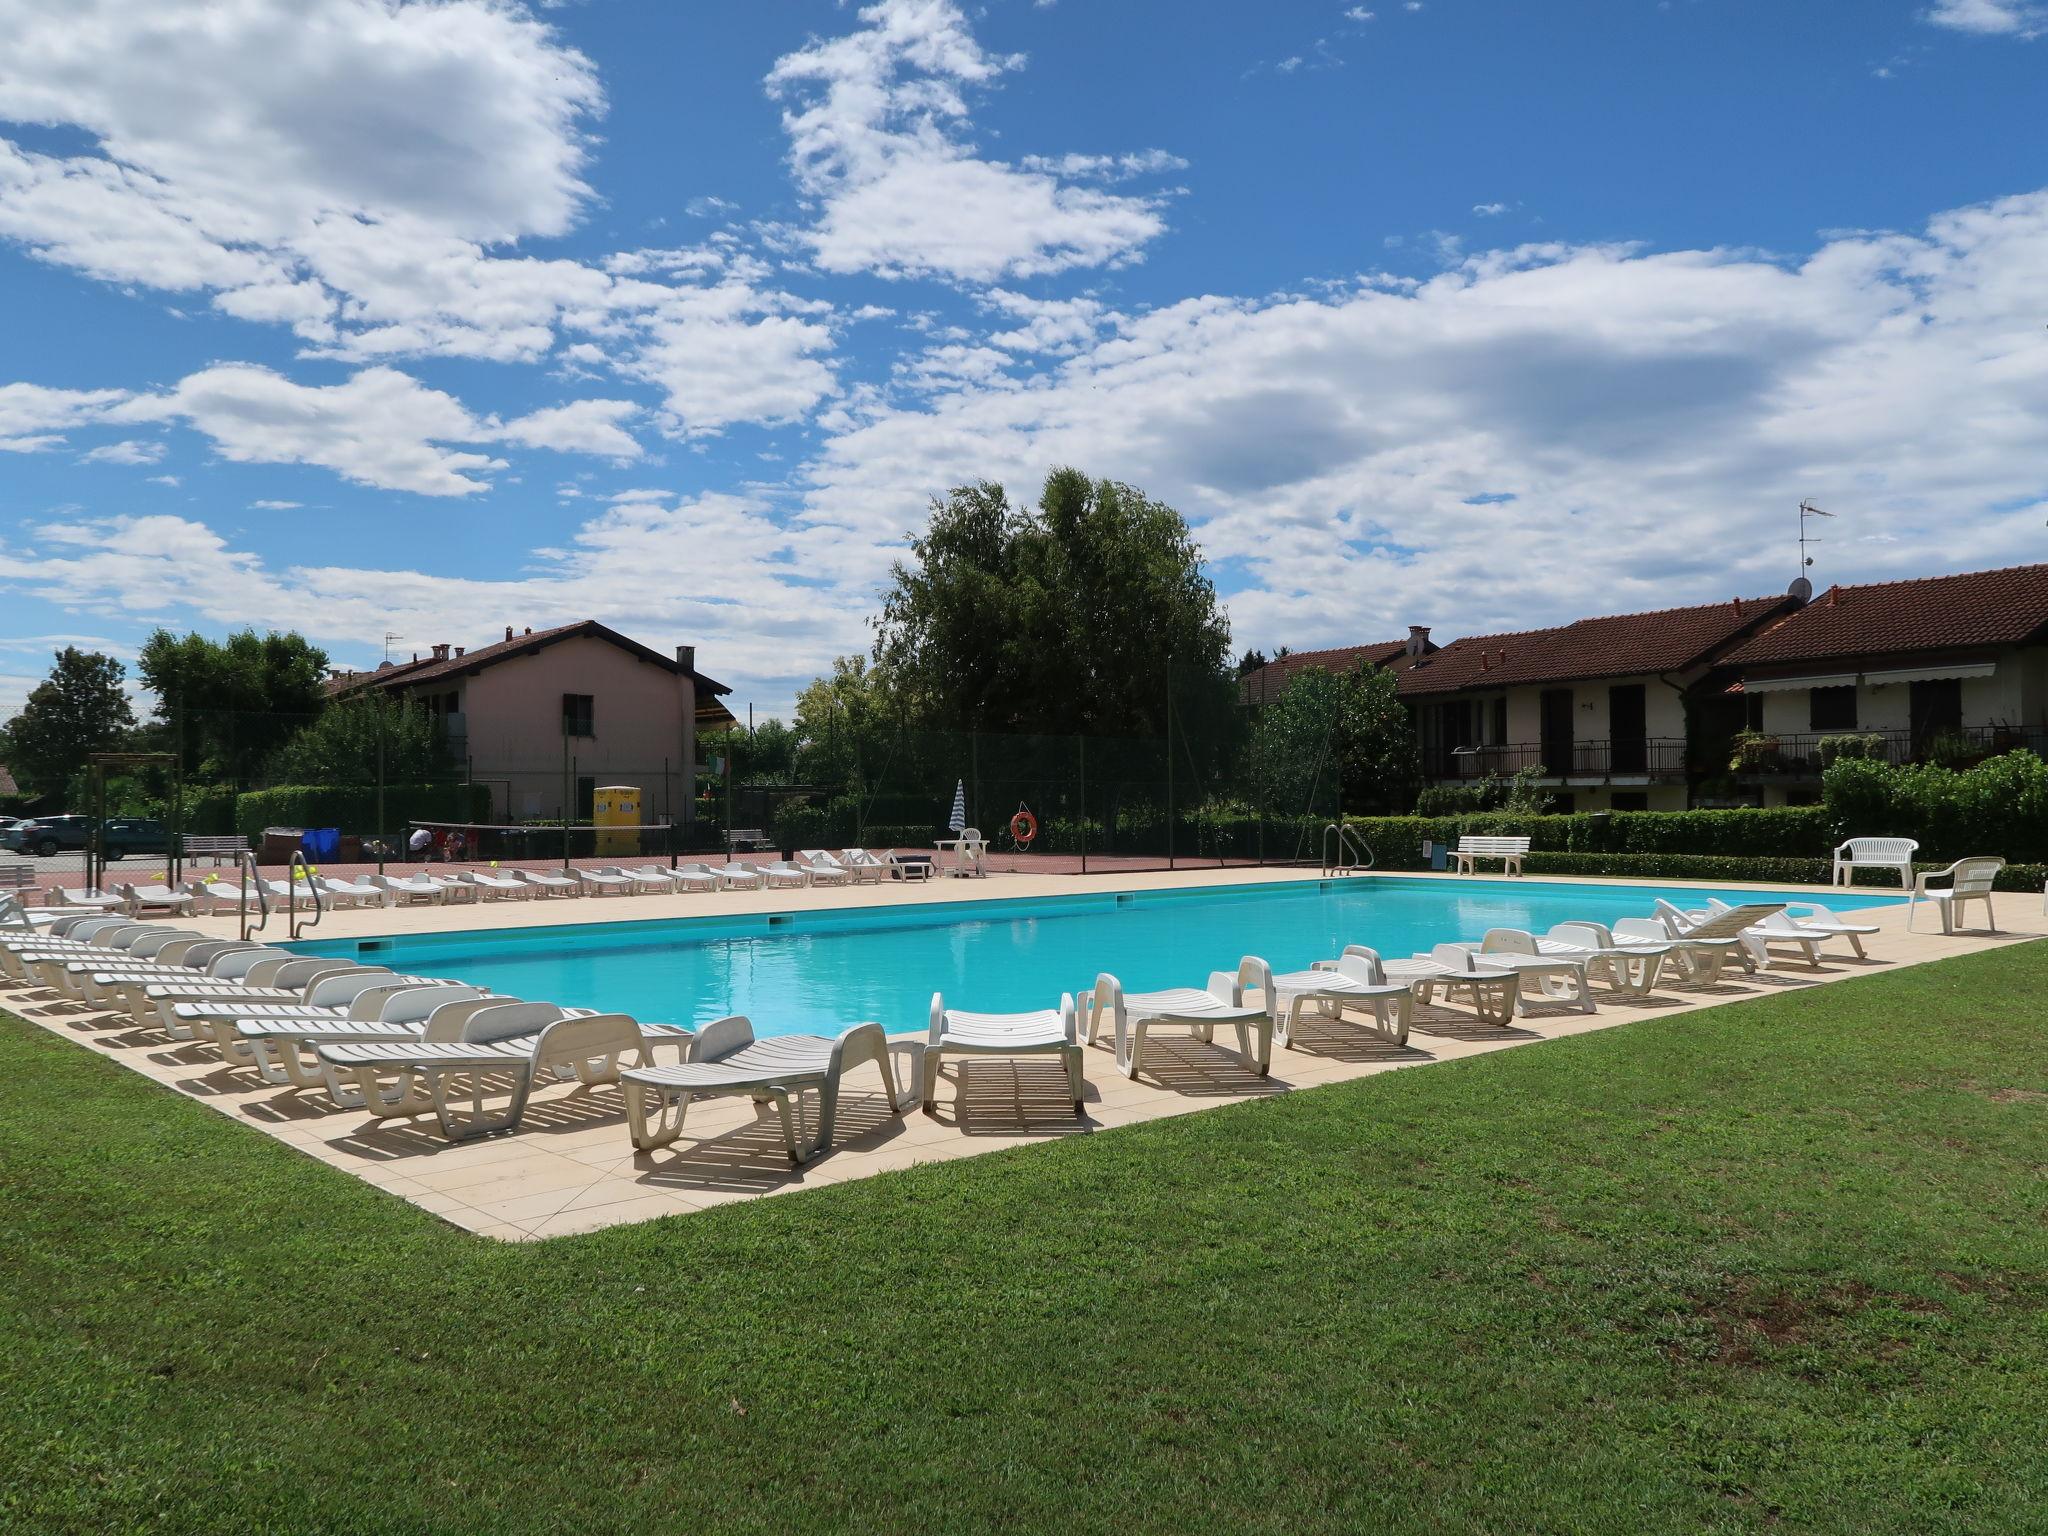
(1931, 673)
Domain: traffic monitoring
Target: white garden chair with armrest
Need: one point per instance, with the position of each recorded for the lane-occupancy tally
(1880, 853)
(726, 1059)
(1131, 1016)
(1968, 880)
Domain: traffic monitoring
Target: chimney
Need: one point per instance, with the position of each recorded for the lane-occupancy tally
(529, 629)
(508, 631)
(1834, 596)
(1486, 661)
(460, 649)
(441, 652)
(686, 657)
(1418, 639)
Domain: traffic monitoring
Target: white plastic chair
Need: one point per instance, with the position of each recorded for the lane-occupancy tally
(1969, 880)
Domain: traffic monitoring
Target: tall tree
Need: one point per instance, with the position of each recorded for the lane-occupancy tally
(358, 737)
(236, 701)
(1328, 732)
(1070, 617)
(79, 709)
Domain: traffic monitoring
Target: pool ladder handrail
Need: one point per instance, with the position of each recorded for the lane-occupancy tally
(1352, 854)
(252, 880)
(291, 898)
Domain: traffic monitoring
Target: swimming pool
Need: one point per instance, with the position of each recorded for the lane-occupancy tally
(811, 972)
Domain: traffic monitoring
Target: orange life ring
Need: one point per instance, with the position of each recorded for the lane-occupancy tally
(1023, 826)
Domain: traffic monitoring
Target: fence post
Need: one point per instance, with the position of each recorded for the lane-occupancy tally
(1083, 741)
(382, 829)
(1169, 760)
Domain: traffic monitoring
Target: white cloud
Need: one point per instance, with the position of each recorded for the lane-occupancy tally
(876, 127)
(640, 564)
(129, 451)
(271, 504)
(1666, 410)
(2007, 18)
(380, 427)
(1489, 210)
(355, 170)
(33, 418)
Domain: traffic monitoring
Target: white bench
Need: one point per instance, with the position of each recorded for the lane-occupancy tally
(1892, 853)
(17, 877)
(215, 848)
(1509, 850)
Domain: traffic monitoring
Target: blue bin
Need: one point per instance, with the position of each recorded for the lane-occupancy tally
(320, 842)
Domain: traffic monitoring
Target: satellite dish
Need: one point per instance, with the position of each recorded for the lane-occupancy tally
(1801, 588)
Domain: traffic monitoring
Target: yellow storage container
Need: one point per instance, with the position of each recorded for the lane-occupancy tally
(617, 806)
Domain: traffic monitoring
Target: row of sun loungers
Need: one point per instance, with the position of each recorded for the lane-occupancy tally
(812, 867)
(404, 1046)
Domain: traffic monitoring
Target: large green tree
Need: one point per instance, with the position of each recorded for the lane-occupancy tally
(357, 738)
(1069, 617)
(1336, 733)
(80, 708)
(235, 701)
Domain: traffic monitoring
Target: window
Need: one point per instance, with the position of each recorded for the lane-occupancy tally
(1627, 800)
(1831, 709)
(1500, 720)
(579, 714)
(1936, 709)
(1753, 711)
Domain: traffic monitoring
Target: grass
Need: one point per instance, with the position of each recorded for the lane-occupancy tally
(1776, 1265)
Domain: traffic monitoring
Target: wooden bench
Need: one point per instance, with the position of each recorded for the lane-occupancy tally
(216, 848)
(745, 840)
(1879, 853)
(1509, 850)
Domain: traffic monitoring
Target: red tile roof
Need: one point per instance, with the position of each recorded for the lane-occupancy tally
(1934, 613)
(1617, 645)
(430, 669)
(1271, 680)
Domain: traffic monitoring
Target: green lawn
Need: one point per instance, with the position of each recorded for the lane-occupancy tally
(1777, 1265)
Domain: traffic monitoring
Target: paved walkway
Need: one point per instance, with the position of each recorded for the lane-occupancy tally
(572, 1168)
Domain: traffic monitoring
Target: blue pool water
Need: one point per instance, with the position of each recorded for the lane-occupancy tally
(814, 971)
(810, 972)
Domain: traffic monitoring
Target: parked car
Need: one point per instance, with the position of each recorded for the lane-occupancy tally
(45, 835)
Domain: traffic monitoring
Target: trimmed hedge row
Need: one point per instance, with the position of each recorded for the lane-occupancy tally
(1678, 866)
(353, 807)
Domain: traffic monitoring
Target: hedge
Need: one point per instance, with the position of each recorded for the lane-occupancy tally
(1678, 866)
(353, 807)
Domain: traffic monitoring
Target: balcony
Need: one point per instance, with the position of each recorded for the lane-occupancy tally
(1640, 760)
(1805, 754)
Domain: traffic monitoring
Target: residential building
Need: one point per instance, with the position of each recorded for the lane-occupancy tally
(545, 718)
(1271, 680)
(1943, 668)
(1599, 707)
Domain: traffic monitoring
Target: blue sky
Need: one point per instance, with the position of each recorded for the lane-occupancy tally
(369, 318)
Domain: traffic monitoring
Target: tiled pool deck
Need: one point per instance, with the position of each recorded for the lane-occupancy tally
(572, 1168)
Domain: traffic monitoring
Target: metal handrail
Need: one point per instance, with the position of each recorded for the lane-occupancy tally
(252, 880)
(291, 894)
(1353, 853)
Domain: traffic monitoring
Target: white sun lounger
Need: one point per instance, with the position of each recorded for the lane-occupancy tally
(499, 1043)
(822, 867)
(160, 898)
(1630, 968)
(1132, 1016)
(1452, 970)
(863, 866)
(547, 883)
(726, 1058)
(652, 877)
(283, 1043)
(1558, 978)
(1730, 923)
(1805, 924)
(1333, 990)
(739, 877)
(1968, 880)
(405, 889)
(496, 887)
(352, 893)
(98, 901)
(335, 995)
(599, 882)
(783, 873)
(695, 877)
(1692, 962)
(1046, 1032)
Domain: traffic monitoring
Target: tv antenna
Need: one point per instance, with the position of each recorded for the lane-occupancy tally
(1806, 510)
(389, 637)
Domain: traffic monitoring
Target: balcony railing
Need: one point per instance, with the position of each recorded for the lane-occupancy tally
(1656, 757)
(1805, 754)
